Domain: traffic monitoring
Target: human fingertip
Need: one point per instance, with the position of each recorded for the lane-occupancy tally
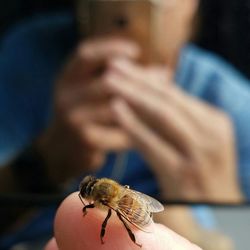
(168, 239)
(73, 231)
(51, 245)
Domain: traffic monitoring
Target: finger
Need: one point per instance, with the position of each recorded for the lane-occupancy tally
(75, 232)
(91, 113)
(105, 138)
(173, 241)
(51, 245)
(84, 232)
(90, 58)
(195, 114)
(159, 80)
(155, 78)
(155, 111)
(102, 49)
(85, 93)
(191, 108)
(155, 150)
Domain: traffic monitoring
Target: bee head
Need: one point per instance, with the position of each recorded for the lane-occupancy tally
(86, 186)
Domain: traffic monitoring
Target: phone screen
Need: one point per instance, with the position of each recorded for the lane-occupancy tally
(129, 19)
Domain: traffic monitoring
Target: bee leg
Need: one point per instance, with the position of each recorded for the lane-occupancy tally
(130, 233)
(84, 210)
(81, 199)
(104, 224)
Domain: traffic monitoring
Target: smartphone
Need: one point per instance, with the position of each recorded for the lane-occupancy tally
(130, 19)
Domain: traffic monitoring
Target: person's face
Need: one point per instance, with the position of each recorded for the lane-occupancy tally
(174, 27)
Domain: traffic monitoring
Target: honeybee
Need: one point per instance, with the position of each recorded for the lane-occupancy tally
(130, 206)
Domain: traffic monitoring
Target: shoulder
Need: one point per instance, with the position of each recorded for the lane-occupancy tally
(31, 55)
(39, 29)
(32, 52)
(216, 82)
(202, 72)
(36, 47)
(30, 45)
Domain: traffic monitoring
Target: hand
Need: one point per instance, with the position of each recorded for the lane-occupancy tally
(75, 232)
(188, 143)
(83, 129)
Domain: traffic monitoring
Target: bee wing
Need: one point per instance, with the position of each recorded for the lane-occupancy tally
(134, 212)
(134, 222)
(136, 208)
(153, 205)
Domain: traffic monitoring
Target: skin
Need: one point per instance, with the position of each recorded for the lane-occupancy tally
(73, 232)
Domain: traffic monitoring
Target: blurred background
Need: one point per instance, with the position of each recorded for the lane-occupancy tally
(226, 26)
(235, 223)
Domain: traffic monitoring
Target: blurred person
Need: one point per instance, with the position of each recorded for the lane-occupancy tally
(189, 130)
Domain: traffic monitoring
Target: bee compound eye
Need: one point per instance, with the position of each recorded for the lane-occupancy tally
(85, 185)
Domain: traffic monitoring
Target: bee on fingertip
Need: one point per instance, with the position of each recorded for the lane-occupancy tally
(130, 206)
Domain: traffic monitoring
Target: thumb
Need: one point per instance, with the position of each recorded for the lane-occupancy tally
(51, 245)
(75, 232)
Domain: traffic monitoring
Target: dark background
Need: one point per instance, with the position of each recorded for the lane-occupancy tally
(225, 29)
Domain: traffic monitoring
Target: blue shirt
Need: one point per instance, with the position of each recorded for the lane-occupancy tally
(31, 57)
